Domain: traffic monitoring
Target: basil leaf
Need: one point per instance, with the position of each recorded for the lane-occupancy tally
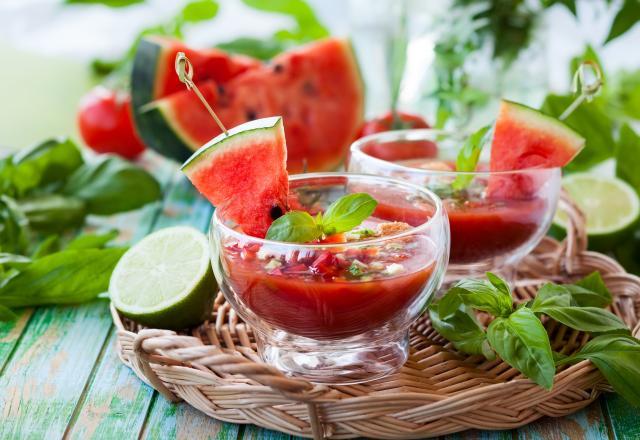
(199, 10)
(592, 122)
(263, 49)
(484, 296)
(6, 314)
(463, 330)
(50, 161)
(500, 285)
(347, 212)
(112, 185)
(308, 26)
(522, 341)
(294, 226)
(66, 277)
(48, 246)
(586, 319)
(469, 155)
(590, 291)
(14, 261)
(92, 241)
(14, 233)
(625, 19)
(628, 157)
(551, 295)
(53, 212)
(618, 359)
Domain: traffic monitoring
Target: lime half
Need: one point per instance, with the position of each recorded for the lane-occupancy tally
(611, 206)
(165, 280)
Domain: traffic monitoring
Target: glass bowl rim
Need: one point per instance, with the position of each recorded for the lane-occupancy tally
(440, 212)
(415, 134)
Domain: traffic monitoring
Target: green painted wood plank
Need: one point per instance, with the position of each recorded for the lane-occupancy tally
(169, 421)
(588, 424)
(104, 410)
(475, 434)
(624, 419)
(47, 373)
(10, 333)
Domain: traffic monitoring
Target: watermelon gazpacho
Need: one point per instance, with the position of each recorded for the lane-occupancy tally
(317, 89)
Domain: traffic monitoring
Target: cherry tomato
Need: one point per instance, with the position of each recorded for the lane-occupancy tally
(106, 123)
(400, 150)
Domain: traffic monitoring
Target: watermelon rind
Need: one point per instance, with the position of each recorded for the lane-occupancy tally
(226, 141)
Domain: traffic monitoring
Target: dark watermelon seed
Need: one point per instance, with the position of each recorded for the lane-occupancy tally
(309, 88)
(278, 68)
(251, 115)
(276, 212)
(221, 90)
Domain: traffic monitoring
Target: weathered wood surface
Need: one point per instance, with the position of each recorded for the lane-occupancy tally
(60, 376)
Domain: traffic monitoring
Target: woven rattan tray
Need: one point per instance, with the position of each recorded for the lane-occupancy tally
(216, 369)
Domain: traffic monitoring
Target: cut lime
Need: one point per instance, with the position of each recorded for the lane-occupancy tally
(611, 206)
(165, 280)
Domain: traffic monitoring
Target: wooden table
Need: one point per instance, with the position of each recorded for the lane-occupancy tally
(60, 376)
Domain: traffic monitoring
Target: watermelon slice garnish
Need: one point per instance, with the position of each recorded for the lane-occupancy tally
(316, 88)
(243, 174)
(525, 138)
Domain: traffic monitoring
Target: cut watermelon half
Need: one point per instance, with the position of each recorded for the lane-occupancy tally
(525, 138)
(316, 88)
(244, 174)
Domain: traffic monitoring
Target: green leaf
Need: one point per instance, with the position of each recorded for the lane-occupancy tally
(551, 295)
(295, 227)
(308, 26)
(49, 162)
(569, 4)
(590, 291)
(53, 212)
(92, 241)
(67, 277)
(469, 155)
(591, 122)
(199, 10)
(586, 319)
(48, 246)
(112, 185)
(14, 233)
(6, 314)
(624, 20)
(347, 212)
(481, 295)
(14, 261)
(263, 49)
(628, 157)
(624, 93)
(462, 329)
(110, 3)
(618, 359)
(522, 341)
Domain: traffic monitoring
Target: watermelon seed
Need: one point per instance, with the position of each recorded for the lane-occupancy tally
(251, 115)
(276, 212)
(278, 68)
(308, 88)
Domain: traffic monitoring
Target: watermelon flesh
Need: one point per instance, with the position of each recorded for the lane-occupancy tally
(525, 138)
(244, 174)
(317, 89)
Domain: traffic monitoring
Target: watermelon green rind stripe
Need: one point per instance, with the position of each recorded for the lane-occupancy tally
(251, 128)
(161, 136)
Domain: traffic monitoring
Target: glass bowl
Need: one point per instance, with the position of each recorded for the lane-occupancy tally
(497, 219)
(337, 312)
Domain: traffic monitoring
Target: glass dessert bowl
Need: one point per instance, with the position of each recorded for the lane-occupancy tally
(496, 218)
(337, 312)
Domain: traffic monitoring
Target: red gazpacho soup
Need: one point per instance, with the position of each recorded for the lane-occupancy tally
(332, 292)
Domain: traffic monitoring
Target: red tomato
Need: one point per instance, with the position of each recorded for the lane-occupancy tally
(106, 123)
(395, 151)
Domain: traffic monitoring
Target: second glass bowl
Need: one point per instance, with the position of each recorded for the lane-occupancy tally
(496, 219)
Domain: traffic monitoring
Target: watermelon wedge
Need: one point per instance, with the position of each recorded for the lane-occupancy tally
(525, 138)
(316, 88)
(244, 174)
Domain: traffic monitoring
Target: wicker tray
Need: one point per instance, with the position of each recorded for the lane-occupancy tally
(439, 391)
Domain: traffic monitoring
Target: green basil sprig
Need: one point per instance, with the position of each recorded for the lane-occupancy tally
(342, 215)
(469, 155)
(520, 339)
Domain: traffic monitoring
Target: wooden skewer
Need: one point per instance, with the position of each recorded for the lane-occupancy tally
(184, 69)
(587, 90)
